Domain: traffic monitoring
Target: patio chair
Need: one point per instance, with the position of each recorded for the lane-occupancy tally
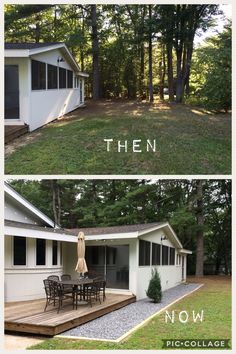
(55, 292)
(53, 277)
(67, 288)
(102, 288)
(92, 291)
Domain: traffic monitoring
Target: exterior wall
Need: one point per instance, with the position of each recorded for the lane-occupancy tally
(171, 275)
(47, 105)
(24, 89)
(29, 277)
(39, 107)
(13, 212)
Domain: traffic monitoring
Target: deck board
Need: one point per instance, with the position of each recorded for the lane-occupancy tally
(29, 316)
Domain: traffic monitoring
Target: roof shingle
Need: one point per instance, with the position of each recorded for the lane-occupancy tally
(115, 229)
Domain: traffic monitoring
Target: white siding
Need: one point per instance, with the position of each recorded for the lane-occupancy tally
(15, 213)
(30, 277)
(171, 275)
(48, 105)
(39, 107)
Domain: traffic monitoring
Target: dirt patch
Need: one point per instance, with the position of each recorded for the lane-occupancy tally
(211, 281)
(20, 342)
(22, 141)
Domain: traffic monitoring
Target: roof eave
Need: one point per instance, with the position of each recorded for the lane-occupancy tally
(184, 251)
(15, 195)
(10, 230)
(117, 236)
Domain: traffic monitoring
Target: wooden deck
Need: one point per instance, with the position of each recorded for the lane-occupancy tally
(14, 131)
(29, 316)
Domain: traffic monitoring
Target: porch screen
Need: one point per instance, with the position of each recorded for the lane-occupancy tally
(144, 252)
(40, 251)
(165, 251)
(52, 77)
(19, 250)
(62, 78)
(54, 252)
(172, 256)
(69, 79)
(38, 75)
(156, 254)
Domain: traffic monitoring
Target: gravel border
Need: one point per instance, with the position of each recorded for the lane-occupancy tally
(115, 324)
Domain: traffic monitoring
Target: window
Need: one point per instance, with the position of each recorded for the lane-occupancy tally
(19, 250)
(156, 254)
(144, 252)
(52, 77)
(76, 82)
(38, 75)
(54, 252)
(172, 256)
(62, 78)
(69, 79)
(95, 255)
(165, 251)
(40, 251)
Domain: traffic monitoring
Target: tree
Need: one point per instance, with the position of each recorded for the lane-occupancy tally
(211, 77)
(150, 54)
(95, 50)
(195, 208)
(154, 291)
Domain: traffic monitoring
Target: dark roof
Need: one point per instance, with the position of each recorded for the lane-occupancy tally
(36, 227)
(28, 45)
(115, 229)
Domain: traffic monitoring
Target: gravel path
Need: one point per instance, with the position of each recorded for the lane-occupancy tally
(117, 323)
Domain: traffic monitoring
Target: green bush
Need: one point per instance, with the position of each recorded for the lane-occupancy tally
(154, 291)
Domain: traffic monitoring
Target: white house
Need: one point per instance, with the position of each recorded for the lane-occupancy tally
(42, 82)
(35, 248)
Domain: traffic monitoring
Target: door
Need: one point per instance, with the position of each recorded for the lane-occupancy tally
(12, 109)
(117, 267)
(112, 261)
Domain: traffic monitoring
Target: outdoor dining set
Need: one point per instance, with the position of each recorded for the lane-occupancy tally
(84, 290)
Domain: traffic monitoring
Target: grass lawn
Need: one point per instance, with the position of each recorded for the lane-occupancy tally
(214, 298)
(189, 141)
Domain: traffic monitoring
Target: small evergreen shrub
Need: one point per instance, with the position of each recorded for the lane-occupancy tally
(154, 291)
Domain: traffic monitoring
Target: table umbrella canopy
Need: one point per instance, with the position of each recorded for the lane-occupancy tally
(81, 266)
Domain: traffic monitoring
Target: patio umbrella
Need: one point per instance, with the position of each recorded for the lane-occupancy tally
(81, 266)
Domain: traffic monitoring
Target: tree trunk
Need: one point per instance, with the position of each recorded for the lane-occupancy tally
(162, 73)
(56, 201)
(170, 72)
(142, 67)
(95, 50)
(150, 55)
(200, 233)
(179, 97)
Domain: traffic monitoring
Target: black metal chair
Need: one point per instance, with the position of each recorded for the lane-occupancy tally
(92, 292)
(53, 277)
(55, 292)
(67, 287)
(102, 288)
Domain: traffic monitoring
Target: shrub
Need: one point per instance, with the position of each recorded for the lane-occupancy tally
(154, 291)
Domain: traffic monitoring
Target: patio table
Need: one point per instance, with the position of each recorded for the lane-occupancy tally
(75, 283)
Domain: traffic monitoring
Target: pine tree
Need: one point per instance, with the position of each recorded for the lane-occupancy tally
(154, 291)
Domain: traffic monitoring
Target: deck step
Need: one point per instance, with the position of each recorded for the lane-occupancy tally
(31, 318)
(14, 131)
